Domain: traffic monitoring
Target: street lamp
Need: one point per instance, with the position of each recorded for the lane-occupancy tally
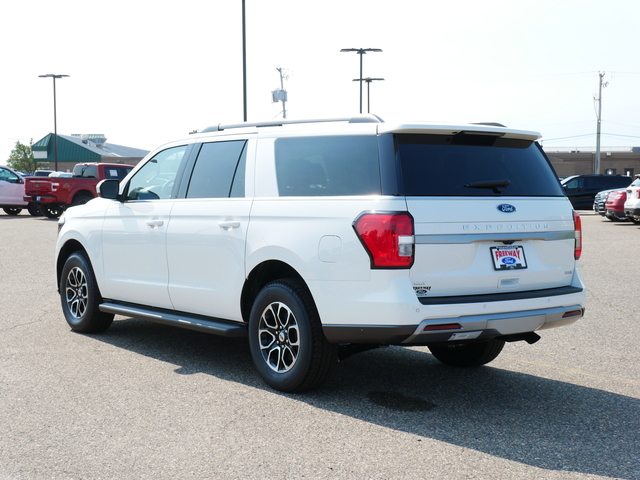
(361, 51)
(55, 125)
(368, 80)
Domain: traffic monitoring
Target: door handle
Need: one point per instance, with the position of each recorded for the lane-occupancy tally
(229, 225)
(155, 223)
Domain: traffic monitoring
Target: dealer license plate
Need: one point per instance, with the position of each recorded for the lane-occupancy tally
(509, 257)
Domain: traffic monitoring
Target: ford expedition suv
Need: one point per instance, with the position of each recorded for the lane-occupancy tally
(318, 239)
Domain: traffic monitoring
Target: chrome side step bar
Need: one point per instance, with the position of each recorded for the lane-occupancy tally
(199, 323)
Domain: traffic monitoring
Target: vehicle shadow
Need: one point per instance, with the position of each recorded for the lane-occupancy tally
(518, 417)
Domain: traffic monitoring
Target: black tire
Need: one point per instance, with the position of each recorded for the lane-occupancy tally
(34, 209)
(80, 296)
(81, 199)
(51, 211)
(287, 344)
(12, 210)
(468, 355)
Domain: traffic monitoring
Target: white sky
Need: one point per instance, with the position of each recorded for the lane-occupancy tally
(144, 73)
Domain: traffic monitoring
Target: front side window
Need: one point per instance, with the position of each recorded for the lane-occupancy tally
(154, 181)
(219, 171)
(326, 166)
(8, 176)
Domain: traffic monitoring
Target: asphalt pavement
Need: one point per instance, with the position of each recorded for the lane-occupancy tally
(147, 401)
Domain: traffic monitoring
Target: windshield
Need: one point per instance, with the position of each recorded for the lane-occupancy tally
(468, 164)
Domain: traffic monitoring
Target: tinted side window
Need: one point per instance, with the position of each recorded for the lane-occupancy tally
(116, 173)
(155, 179)
(8, 176)
(474, 165)
(219, 171)
(324, 166)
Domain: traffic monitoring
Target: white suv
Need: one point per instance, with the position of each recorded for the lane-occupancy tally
(322, 238)
(632, 204)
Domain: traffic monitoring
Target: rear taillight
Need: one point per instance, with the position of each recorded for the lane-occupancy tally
(55, 186)
(387, 237)
(577, 225)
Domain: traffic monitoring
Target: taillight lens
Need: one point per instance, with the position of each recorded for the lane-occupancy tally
(387, 237)
(55, 186)
(577, 224)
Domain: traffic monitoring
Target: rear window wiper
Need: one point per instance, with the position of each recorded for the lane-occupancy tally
(492, 184)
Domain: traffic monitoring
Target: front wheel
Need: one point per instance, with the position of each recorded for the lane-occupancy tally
(12, 210)
(52, 211)
(469, 354)
(80, 296)
(287, 344)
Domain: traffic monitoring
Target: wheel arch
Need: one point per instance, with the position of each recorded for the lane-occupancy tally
(65, 252)
(82, 193)
(262, 274)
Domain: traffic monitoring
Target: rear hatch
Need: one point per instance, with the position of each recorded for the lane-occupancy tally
(489, 213)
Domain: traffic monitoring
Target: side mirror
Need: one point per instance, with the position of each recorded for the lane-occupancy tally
(108, 189)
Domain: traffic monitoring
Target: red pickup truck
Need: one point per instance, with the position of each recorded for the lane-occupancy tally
(55, 194)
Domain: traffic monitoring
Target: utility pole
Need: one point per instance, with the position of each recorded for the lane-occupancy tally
(596, 167)
(281, 95)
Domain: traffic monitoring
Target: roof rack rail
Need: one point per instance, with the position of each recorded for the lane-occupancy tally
(490, 124)
(278, 123)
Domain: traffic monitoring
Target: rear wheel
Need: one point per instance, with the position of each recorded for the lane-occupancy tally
(468, 355)
(34, 209)
(80, 296)
(81, 199)
(52, 211)
(287, 344)
(12, 210)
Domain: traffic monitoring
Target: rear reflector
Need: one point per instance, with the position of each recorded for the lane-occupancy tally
(447, 326)
(572, 313)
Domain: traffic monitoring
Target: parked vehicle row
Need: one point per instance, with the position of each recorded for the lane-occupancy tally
(620, 203)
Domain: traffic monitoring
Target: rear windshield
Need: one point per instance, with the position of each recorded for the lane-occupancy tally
(469, 164)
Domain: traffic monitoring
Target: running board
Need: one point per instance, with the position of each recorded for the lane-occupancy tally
(178, 319)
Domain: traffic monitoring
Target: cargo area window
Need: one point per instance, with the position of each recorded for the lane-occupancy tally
(327, 166)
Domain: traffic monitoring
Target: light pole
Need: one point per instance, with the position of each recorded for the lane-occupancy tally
(368, 80)
(55, 123)
(361, 52)
(244, 62)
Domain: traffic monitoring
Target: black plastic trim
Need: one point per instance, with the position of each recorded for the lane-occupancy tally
(499, 297)
(383, 335)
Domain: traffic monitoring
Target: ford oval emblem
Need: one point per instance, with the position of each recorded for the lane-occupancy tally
(506, 208)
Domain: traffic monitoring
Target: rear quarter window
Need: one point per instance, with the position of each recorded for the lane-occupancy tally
(473, 165)
(327, 166)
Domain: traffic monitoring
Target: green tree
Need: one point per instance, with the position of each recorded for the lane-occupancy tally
(21, 158)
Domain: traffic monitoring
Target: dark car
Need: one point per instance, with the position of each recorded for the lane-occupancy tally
(582, 189)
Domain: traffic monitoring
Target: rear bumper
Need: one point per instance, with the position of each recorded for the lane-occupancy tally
(40, 199)
(456, 329)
